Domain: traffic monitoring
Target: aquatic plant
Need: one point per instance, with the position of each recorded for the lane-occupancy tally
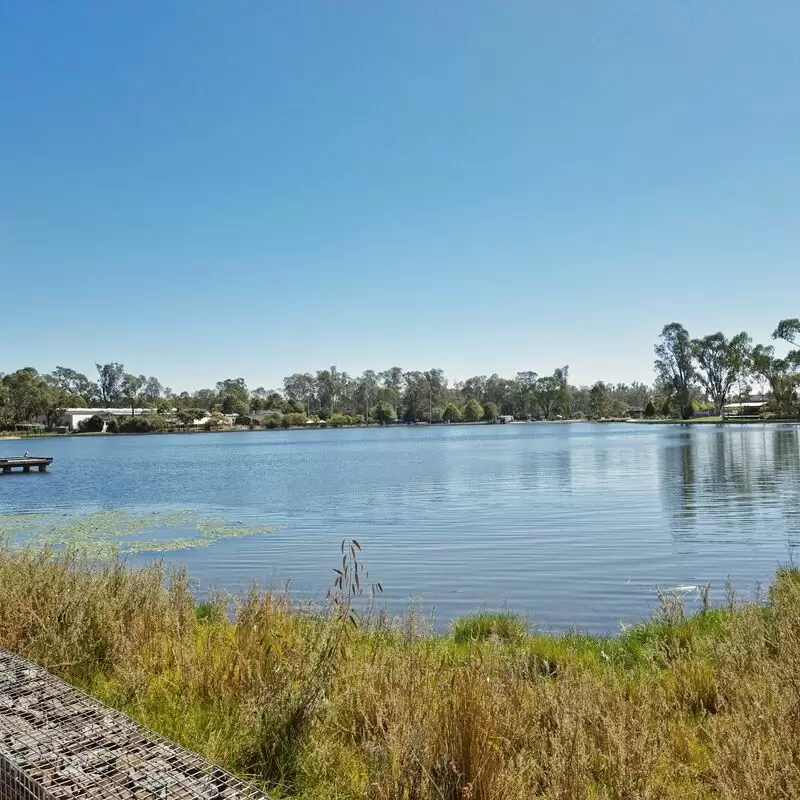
(123, 532)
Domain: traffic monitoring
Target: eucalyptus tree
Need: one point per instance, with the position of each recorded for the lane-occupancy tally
(548, 392)
(110, 383)
(781, 374)
(598, 401)
(132, 386)
(76, 383)
(674, 365)
(720, 364)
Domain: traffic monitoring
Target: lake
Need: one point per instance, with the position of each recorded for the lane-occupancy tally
(573, 524)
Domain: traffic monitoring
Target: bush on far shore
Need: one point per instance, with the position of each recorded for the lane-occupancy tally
(93, 424)
(142, 424)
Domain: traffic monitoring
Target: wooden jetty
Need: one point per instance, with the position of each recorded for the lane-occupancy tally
(25, 463)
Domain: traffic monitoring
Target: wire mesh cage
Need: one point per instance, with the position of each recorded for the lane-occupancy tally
(57, 742)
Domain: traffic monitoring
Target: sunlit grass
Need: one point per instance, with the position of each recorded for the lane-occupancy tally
(324, 703)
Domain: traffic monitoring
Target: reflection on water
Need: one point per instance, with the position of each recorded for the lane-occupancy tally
(728, 482)
(574, 524)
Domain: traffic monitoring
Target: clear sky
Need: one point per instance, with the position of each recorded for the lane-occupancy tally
(211, 189)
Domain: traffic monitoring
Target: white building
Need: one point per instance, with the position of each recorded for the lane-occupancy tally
(71, 417)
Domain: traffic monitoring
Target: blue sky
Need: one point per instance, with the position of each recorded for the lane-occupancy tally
(206, 189)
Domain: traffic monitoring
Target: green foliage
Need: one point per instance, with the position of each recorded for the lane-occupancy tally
(235, 405)
(548, 392)
(783, 375)
(674, 365)
(142, 424)
(110, 383)
(490, 411)
(187, 416)
(112, 426)
(25, 395)
(272, 420)
(473, 411)
(451, 413)
(109, 533)
(384, 413)
(93, 424)
(598, 401)
(720, 364)
(500, 626)
(294, 420)
(650, 410)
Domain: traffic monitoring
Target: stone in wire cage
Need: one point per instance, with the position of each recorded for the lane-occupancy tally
(57, 742)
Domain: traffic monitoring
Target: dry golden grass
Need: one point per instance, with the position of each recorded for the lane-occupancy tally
(324, 704)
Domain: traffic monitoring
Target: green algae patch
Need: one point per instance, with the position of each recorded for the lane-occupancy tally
(123, 532)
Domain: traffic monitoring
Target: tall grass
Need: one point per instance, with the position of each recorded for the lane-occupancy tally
(334, 702)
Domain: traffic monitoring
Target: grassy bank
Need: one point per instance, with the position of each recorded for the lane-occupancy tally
(323, 703)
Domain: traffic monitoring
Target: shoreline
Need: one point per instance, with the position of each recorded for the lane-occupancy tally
(244, 429)
(344, 696)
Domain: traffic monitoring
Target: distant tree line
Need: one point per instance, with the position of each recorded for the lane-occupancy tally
(726, 370)
(690, 373)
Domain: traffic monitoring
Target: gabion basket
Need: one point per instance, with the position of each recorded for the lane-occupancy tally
(57, 742)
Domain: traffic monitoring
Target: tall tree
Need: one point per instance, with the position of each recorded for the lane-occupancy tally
(132, 386)
(299, 388)
(365, 393)
(110, 382)
(720, 364)
(789, 331)
(548, 392)
(564, 403)
(781, 374)
(75, 383)
(523, 396)
(153, 390)
(674, 367)
(598, 401)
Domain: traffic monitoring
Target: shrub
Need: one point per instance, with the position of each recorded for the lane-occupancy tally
(650, 410)
(490, 412)
(499, 626)
(293, 420)
(338, 420)
(148, 424)
(451, 413)
(94, 424)
(473, 411)
(384, 413)
(112, 426)
(188, 415)
(272, 420)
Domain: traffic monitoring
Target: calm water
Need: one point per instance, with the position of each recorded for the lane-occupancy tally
(573, 524)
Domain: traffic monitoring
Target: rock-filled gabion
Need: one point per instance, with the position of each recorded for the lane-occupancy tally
(57, 742)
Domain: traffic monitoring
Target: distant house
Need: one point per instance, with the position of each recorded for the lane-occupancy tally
(505, 418)
(635, 412)
(72, 417)
(748, 408)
